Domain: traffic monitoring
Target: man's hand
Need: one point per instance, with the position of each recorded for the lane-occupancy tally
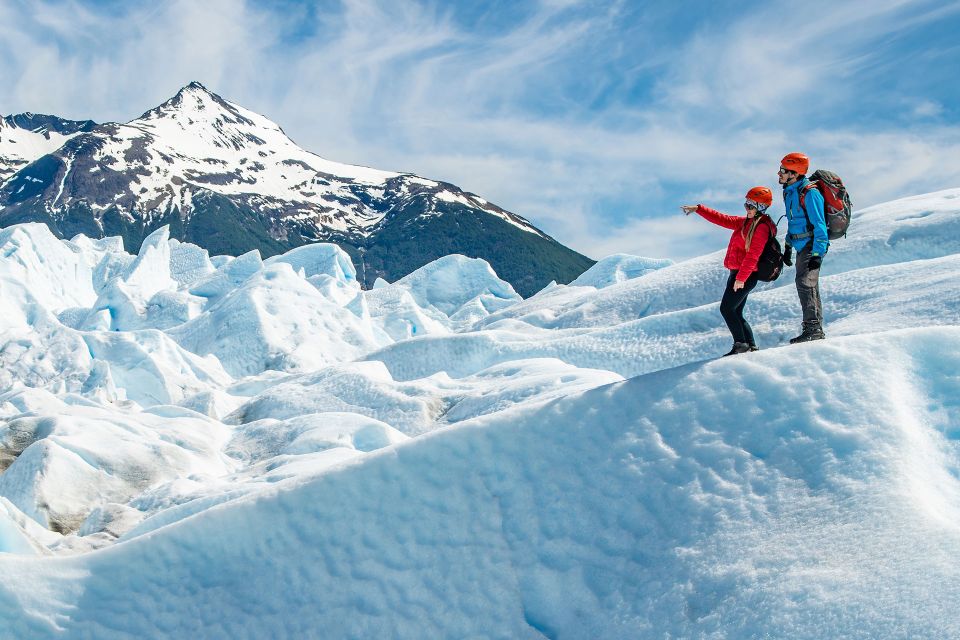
(737, 285)
(814, 262)
(689, 208)
(788, 255)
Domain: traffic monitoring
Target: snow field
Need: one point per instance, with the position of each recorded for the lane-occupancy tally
(741, 520)
(417, 406)
(231, 447)
(871, 299)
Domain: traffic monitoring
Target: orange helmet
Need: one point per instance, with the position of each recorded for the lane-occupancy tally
(760, 195)
(796, 162)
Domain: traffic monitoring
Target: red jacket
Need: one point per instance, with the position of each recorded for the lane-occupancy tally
(738, 258)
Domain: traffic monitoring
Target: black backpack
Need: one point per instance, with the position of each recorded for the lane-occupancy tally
(770, 264)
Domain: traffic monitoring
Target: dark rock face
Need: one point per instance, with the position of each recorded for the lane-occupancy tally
(407, 241)
(389, 228)
(31, 183)
(42, 123)
(403, 241)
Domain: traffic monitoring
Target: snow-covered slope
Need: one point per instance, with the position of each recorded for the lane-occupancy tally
(681, 504)
(197, 139)
(28, 136)
(233, 447)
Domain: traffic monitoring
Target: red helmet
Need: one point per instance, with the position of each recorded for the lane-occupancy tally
(760, 195)
(796, 162)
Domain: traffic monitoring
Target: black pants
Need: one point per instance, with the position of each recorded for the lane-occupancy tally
(731, 308)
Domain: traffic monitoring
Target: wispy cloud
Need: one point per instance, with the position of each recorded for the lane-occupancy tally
(927, 109)
(784, 59)
(593, 121)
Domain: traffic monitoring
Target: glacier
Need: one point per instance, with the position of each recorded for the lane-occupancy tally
(232, 447)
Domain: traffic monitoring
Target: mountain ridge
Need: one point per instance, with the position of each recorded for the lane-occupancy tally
(231, 180)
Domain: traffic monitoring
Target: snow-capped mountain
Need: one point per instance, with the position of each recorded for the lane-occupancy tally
(230, 180)
(217, 447)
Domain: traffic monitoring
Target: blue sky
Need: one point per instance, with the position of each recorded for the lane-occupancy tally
(595, 120)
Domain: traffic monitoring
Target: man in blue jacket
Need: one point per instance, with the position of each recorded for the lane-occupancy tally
(807, 233)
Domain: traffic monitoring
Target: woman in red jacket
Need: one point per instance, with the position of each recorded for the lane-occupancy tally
(749, 236)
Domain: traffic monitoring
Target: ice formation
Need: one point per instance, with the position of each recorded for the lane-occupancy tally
(236, 447)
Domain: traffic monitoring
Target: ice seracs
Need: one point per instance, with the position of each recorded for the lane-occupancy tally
(617, 268)
(448, 294)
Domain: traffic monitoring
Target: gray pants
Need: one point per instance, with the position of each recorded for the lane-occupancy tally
(808, 288)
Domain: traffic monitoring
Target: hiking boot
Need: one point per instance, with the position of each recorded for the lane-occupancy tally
(754, 347)
(738, 347)
(808, 335)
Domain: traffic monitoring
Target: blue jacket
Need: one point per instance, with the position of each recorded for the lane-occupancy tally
(798, 222)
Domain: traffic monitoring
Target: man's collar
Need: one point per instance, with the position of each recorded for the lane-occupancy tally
(796, 185)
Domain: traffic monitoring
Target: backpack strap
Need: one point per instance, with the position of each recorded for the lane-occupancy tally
(803, 207)
(773, 225)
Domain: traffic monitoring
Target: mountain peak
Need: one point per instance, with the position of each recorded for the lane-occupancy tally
(195, 86)
(194, 97)
(197, 90)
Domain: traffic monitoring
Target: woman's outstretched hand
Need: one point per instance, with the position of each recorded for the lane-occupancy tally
(689, 208)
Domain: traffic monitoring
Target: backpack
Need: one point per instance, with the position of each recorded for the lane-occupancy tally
(770, 264)
(836, 202)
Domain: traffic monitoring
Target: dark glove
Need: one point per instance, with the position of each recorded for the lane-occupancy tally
(788, 255)
(814, 262)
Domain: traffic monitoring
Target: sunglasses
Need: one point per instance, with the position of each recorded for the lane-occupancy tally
(782, 170)
(751, 205)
